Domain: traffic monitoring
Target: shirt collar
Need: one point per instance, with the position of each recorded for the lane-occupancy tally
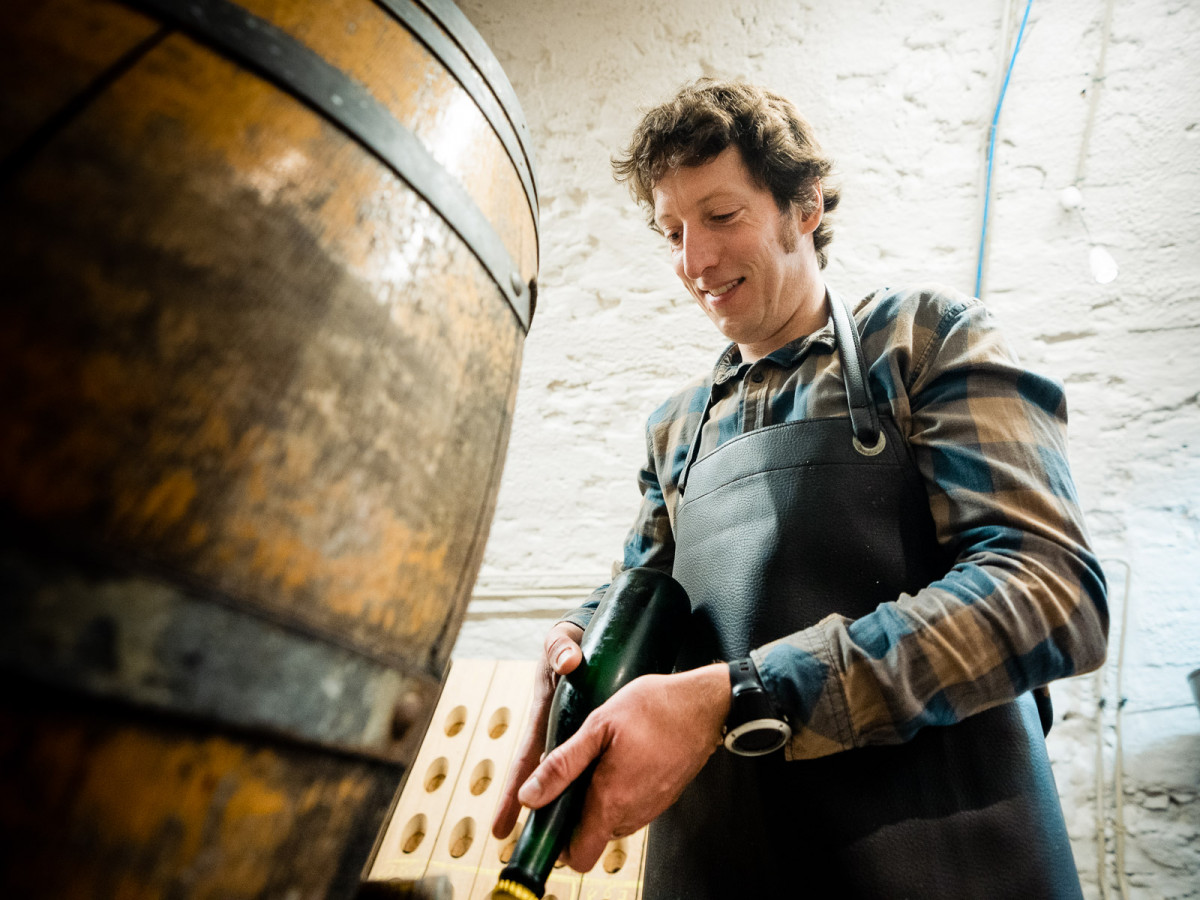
(730, 364)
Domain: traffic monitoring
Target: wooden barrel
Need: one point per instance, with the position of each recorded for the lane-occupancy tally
(266, 271)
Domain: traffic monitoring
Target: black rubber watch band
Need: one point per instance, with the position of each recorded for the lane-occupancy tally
(752, 728)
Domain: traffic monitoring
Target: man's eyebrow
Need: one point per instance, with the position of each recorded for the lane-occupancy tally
(719, 195)
(657, 220)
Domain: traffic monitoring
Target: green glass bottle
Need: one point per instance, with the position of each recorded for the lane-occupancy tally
(636, 630)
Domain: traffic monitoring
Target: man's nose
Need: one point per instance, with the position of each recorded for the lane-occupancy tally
(699, 253)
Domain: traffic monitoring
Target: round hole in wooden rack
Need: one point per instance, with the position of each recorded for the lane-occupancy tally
(461, 837)
(498, 723)
(506, 851)
(413, 833)
(615, 858)
(510, 843)
(456, 720)
(481, 778)
(550, 897)
(436, 774)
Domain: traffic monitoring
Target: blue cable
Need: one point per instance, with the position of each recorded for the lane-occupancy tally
(987, 190)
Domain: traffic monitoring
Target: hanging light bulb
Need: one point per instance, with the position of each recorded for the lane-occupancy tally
(1070, 198)
(1104, 267)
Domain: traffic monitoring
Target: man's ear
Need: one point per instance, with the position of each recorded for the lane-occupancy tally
(809, 223)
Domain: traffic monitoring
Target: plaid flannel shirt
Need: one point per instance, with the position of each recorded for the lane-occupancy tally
(1025, 601)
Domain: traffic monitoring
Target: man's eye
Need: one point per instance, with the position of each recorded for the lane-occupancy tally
(672, 237)
(722, 217)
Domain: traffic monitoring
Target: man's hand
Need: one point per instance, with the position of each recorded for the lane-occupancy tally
(651, 738)
(561, 655)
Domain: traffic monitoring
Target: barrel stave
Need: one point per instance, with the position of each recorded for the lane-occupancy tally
(260, 398)
(410, 81)
(54, 49)
(103, 802)
(274, 321)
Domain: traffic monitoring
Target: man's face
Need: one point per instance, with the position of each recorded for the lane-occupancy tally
(751, 267)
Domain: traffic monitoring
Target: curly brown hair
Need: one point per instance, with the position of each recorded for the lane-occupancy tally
(707, 116)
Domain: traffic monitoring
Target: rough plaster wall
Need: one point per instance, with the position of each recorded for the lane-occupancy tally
(901, 93)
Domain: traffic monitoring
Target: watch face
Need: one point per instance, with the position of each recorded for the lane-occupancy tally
(758, 737)
(762, 740)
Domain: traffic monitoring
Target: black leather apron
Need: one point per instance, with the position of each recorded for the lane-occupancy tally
(776, 529)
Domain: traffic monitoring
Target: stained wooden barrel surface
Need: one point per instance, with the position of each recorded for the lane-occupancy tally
(266, 270)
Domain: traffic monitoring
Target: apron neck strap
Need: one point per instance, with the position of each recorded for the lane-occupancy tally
(864, 417)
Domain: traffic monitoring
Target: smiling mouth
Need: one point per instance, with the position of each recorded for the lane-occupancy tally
(725, 288)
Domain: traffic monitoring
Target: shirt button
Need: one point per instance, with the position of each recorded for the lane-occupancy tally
(757, 377)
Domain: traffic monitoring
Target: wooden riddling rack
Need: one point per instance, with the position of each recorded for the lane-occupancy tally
(443, 819)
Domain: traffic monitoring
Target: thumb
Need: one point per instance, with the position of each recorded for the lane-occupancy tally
(561, 766)
(564, 655)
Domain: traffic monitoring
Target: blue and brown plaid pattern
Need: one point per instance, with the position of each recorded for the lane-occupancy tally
(1025, 601)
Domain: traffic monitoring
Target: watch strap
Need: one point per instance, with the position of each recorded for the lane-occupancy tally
(749, 698)
(753, 727)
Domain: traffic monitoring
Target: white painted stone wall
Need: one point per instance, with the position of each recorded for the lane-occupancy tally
(901, 93)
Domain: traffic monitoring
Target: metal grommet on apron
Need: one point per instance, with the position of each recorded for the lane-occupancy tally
(874, 450)
(774, 530)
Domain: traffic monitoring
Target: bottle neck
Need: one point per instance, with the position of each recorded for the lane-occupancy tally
(511, 890)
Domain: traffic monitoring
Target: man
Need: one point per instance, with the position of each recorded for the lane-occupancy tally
(876, 525)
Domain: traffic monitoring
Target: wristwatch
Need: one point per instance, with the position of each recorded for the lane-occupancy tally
(752, 728)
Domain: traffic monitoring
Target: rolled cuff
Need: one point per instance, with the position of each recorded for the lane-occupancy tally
(800, 675)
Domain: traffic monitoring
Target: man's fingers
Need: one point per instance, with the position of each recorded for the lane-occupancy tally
(562, 656)
(526, 759)
(566, 658)
(562, 648)
(506, 816)
(586, 850)
(562, 766)
(590, 837)
(509, 808)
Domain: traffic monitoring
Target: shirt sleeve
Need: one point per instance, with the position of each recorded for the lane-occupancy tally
(1024, 602)
(650, 541)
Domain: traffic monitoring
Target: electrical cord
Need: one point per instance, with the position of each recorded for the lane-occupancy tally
(537, 583)
(1118, 774)
(987, 190)
(1094, 94)
(1101, 806)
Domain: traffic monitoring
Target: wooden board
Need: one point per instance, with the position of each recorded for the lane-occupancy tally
(494, 697)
